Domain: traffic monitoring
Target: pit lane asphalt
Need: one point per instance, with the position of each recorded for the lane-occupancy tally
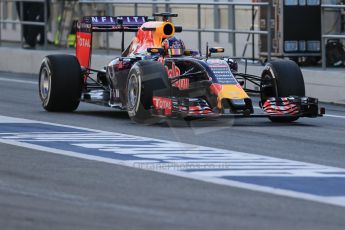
(41, 191)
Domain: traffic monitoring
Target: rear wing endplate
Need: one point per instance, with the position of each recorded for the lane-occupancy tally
(90, 24)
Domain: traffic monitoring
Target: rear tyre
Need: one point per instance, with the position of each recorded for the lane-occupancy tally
(145, 79)
(282, 78)
(60, 83)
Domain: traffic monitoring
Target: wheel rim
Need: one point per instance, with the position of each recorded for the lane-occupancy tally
(133, 92)
(45, 83)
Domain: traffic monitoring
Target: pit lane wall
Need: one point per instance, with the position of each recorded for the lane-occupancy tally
(327, 85)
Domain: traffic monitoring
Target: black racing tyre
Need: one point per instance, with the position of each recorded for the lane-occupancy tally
(145, 79)
(60, 83)
(282, 78)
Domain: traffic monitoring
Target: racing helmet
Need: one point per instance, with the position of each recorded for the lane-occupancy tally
(173, 46)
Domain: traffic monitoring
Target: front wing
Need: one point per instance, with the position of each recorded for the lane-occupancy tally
(199, 108)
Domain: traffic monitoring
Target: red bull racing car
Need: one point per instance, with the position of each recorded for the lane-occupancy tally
(157, 77)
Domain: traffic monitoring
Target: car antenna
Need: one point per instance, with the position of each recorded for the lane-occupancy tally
(165, 16)
(207, 50)
(246, 65)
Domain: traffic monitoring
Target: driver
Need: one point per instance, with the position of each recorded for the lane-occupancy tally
(173, 47)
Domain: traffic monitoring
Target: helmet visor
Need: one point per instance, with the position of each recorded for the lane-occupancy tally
(175, 52)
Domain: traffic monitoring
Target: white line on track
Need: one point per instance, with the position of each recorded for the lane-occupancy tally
(256, 188)
(19, 81)
(335, 116)
(335, 200)
(219, 181)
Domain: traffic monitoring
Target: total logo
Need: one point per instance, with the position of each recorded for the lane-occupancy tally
(163, 103)
(83, 42)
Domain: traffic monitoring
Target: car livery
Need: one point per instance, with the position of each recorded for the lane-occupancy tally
(149, 83)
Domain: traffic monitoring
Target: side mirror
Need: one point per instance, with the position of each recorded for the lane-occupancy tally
(241, 83)
(178, 29)
(216, 50)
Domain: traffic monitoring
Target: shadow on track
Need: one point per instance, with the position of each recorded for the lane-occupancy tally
(194, 123)
(105, 114)
(229, 122)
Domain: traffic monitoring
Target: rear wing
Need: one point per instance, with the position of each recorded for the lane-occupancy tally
(112, 24)
(90, 24)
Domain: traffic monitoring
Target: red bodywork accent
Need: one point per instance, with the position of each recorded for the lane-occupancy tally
(284, 108)
(175, 71)
(216, 88)
(83, 48)
(151, 39)
(141, 42)
(163, 103)
(169, 106)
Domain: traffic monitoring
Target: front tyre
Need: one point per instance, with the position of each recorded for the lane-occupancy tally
(145, 79)
(60, 83)
(282, 78)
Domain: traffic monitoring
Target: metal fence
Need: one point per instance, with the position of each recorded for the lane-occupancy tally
(15, 20)
(230, 6)
(199, 5)
(11, 18)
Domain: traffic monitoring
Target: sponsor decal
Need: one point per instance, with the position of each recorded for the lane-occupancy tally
(233, 94)
(214, 62)
(113, 20)
(83, 48)
(102, 19)
(84, 42)
(163, 103)
(132, 19)
(173, 72)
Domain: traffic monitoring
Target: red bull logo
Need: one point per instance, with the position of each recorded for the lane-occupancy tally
(173, 72)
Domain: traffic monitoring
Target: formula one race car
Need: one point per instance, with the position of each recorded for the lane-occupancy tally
(157, 77)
